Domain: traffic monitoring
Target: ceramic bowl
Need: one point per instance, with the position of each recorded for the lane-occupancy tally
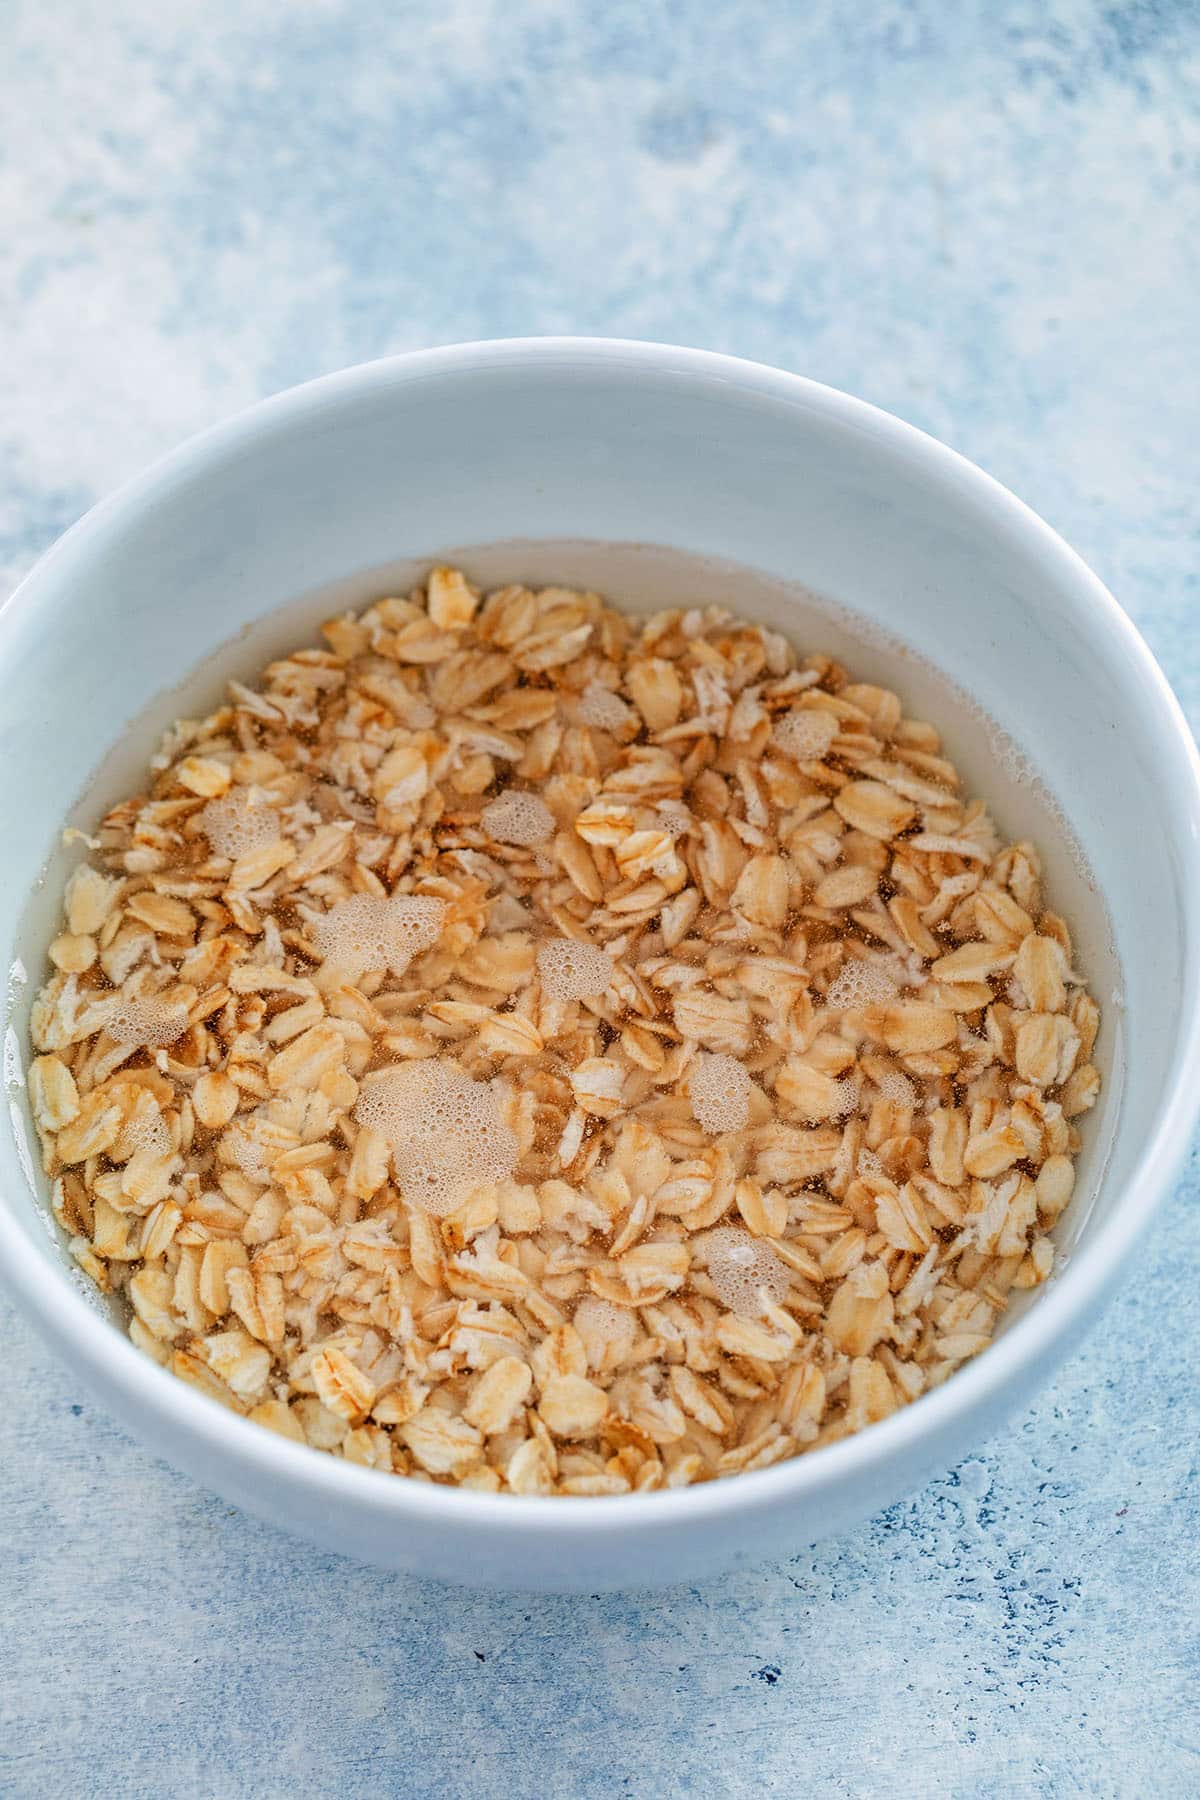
(662, 476)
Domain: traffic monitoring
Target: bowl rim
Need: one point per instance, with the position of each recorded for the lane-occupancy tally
(148, 1390)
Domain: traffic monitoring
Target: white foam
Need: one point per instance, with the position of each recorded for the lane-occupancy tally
(247, 1153)
(446, 1131)
(601, 1324)
(146, 1022)
(145, 1129)
(720, 1090)
(517, 817)
(20, 1132)
(806, 734)
(236, 824)
(573, 970)
(365, 932)
(601, 708)
(14, 1074)
(741, 1267)
(847, 1098)
(858, 984)
(149, 1133)
(896, 1087)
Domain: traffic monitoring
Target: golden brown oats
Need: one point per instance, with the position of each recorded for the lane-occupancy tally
(524, 1047)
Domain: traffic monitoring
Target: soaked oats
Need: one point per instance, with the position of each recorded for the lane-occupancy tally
(525, 1047)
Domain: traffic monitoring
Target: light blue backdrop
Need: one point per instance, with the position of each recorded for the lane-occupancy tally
(983, 216)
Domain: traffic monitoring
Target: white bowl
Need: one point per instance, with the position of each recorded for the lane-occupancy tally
(575, 448)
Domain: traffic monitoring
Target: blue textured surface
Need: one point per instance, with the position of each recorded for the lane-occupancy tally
(985, 217)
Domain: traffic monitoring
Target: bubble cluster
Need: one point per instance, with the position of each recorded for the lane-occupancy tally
(601, 708)
(247, 1153)
(236, 824)
(720, 1090)
(573, 970)
(515, 817)
(446, 1131)
(806, 734)
(846, 1098)
(741, 1268)
(147, 1024)
(146, 1131)
(860, 983)
(896, 1087)
(365, 932)
(602, 1326)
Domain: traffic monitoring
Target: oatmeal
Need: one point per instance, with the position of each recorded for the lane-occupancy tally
(521, 1046)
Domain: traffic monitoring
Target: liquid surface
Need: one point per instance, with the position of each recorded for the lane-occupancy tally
(705, 937)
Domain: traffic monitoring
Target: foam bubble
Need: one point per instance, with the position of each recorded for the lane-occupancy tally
(601, 708)
(603, 1326)
(247, 1154)
(573, 970)
(740, 1267)
(446, 1132)
(896, 1087)
(806, 734)
(860, 983)
(846, 1100)
(720, 1091)
(365, 932)
(1013, 760)
(147, 1130)
(517, 817)
(146, 1022)
(236, 824)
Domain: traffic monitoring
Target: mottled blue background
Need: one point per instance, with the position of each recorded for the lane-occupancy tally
(983, 216)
